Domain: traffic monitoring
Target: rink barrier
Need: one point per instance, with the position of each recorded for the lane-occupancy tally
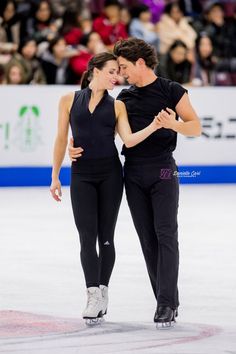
(28, 128)
(41, 176)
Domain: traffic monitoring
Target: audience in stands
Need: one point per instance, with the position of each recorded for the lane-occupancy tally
(51, 41)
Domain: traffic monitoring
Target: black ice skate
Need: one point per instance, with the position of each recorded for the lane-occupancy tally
(165, 317)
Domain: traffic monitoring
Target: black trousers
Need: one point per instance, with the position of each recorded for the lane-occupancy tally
(96, 193)
(152, 190)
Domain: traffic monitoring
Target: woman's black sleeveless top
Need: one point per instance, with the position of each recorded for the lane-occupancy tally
(94, 132)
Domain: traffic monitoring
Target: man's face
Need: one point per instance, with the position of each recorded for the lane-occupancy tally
(128, 70)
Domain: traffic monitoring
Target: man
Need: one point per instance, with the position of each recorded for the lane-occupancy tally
(150, 172)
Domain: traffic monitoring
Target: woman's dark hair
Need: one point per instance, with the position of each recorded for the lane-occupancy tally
(70, 20)
(136, 11)
(112, 3)
(86, 37)
(5, 4)
(177, 43)
(36, 6)
(53, 42)
(98, 61)
(133, 48)
(168, 7)
(24, 42)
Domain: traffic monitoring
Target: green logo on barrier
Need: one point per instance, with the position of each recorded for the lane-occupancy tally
(28, 128)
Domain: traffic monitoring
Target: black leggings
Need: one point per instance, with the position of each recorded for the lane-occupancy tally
(96, 192)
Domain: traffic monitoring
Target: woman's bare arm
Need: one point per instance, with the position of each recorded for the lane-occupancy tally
(131, 139)
(60, 143)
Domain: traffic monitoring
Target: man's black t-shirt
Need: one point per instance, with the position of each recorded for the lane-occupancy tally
(142, 104)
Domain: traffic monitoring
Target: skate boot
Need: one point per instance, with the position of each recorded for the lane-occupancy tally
(165, 317)
(93, 311)
(104, 291)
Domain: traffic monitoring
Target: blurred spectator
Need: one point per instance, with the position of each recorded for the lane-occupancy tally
(60, 6)
(55, 63)
(15, 73)
(156, 8)
(42, 25)
(9, 31)
(71, 30)
(91, 44)
(27, 58)
(174, 65)
(222, 31)
(86, 24)
(173, 26)
(141, 25)
(192, 8)
(204, 67)
(109, 24)
(125, 17)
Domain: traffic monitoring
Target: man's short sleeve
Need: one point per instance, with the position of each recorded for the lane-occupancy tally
(176, 92)
(121, 95)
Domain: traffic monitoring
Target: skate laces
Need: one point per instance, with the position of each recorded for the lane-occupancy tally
(93, 299)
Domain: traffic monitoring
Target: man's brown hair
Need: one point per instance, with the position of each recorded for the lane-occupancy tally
(133, 48)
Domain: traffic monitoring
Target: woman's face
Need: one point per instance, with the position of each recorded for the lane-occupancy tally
(216, 15)
(15, 75)
(94, 41)
(145, 16)
(205, 47)
(29, 49)
(178, 54)
(59, 48)
(108, 75)
(9, 11)
(44, 12)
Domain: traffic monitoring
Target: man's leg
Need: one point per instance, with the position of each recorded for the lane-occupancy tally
(165, 197)
(140, 206)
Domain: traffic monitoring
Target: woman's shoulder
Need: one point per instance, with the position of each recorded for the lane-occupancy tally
(67, 100)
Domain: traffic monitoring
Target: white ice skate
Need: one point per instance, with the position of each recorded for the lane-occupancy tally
(93, 312)
(104, 292)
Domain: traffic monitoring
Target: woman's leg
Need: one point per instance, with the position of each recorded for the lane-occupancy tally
(84, 204)
(109, 198)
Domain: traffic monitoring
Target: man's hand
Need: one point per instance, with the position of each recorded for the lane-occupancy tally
(74, 153)
(167, 120)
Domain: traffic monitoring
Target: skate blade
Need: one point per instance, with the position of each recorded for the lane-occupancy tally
(165, 325)
(92, 322)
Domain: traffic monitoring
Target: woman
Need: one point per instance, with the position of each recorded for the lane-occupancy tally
(97, 179)
(15, 73)
(27, 57)
(9, 31)
(204, 71)
(175, 66)
(55, 62)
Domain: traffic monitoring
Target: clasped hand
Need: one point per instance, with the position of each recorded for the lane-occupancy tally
(165, 119)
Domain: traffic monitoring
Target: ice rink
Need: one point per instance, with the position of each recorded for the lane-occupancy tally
(42, 290)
